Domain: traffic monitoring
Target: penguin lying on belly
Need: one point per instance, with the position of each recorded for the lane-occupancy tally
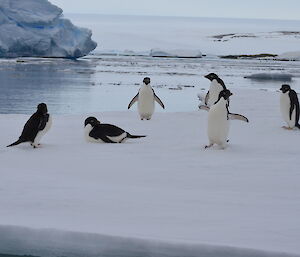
(36, 127)
(105, 133)
(289, 106)
(218, 120)
(146, 98)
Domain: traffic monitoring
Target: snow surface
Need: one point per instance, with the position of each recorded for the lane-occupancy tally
(36, 28)
(164, 187)
(163, 195)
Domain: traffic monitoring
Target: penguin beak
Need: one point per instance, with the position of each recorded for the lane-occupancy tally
(231, 93)
(206, 76)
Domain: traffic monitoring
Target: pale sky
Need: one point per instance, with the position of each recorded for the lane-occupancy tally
(265, 9)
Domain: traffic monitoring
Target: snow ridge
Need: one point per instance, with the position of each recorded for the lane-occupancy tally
(48, 243)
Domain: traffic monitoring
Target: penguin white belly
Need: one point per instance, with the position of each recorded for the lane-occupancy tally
(119, 138)
(214, 91)
(87, 129)
(218, 125)
(41, 133)
(146, 102)
(285, 104)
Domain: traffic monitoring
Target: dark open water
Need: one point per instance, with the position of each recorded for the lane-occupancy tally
(107, 83)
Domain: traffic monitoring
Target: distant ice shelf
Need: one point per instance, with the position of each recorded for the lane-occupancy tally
(183, 53)
(36, 28)
(155, 52)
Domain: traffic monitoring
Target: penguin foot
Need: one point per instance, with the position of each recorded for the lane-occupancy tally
(149, 119)
(288, 128)
(208, 146)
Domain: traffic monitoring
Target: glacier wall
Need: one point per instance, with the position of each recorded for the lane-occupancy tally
(36, 28)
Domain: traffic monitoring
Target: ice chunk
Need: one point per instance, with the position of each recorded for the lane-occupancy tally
(270, 76)
(181, 53)
(290, 56)
(36, 28)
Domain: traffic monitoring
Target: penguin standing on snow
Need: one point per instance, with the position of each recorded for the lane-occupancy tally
(216, 86)
(36, 127)
(289, 106)
(218, 120)
(97, 132)
(146, 98)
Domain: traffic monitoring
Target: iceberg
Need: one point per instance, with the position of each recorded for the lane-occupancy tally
(36, 28)
(289, 56)
(270, 76)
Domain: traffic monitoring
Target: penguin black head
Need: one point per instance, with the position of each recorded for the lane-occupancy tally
(211, 76)
(92, 121)
(42, 108)
(225, 94)
(146, 80)
(284, 88)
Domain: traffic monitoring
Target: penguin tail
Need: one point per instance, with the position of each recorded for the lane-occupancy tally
(297, 125)
(19, 141)
(134, 136)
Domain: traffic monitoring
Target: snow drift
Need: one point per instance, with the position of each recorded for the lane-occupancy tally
(47, 242)
(36, 28)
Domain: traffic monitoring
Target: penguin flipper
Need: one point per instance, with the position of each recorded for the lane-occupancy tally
(158, 101)
(206, 98)
(97, 135)
(103, 138)
(134, 99)
(294, 103)
(235, 116)
(43, 122)
(106, 139)
(203, 107)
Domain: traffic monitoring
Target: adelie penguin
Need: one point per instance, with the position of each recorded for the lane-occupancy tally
(216, 86)
(36, 127)
(97, 132)
(146, 98)
(218, 120)
(289, 106)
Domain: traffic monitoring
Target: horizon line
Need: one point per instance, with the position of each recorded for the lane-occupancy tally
(185, 17)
